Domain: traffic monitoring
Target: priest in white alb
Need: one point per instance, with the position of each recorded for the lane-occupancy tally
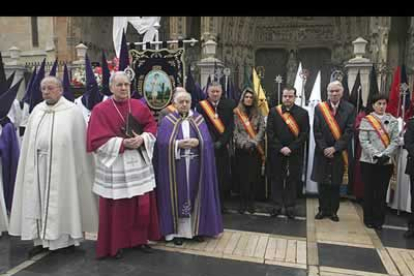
(53, 203)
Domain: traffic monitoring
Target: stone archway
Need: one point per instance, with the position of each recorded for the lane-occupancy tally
(274, 61)
(240, 38)
(315, 60)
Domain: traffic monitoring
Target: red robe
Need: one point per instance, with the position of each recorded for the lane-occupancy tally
(125, 222)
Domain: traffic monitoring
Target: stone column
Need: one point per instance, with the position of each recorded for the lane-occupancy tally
(208, 62)
(81, 50)
(16, 65)
(379, 29)
(209, 47)
(77, 68)
(362, 64)
(73, 36)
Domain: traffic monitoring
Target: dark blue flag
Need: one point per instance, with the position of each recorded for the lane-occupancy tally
(123, 55)
(54, 68)
(92, 95)
(67, 92)
(35, 94)
(356, 94)
(105, 77)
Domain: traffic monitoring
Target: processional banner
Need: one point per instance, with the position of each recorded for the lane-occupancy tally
(157, 73)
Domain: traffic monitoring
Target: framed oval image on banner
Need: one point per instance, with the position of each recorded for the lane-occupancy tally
(157, 89)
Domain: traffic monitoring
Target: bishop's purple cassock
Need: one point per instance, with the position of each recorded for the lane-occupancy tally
(177, 197)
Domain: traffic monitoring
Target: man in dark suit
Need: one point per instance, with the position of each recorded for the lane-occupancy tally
(287, 132)
(409, 169)
(333, 130)
(218, 114)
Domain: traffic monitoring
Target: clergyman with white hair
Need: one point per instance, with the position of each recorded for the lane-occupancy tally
(187, 188)
(171, 107)
(121, 133)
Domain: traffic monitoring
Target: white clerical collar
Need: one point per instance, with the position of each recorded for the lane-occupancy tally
(51, 107)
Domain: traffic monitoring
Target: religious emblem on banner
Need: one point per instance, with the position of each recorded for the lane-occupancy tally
(157, 73)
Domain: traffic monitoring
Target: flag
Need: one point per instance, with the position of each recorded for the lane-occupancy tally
(394, 97)
(405, 93)
(200, 91)
(205, 90)
(225, 86)
(257, 87)
(67, 92)
(299, 87)
(234, 92)
(373, 87)
(346, 88)
(230, 89)
(105, 76)
(215, 73)
(356, 94)
(2, 72)
(315, 95)
(7, 84)
(35, 96)
(54, 68)
(123, 56)
(237, 93)
(2, 76)
(247, 82)
(314, 100)
(410, 111)
(91, 97)
(7, 99)
(26, 97)
(193, 89)
(219, 77)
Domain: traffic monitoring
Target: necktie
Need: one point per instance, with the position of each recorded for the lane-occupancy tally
(334, 108)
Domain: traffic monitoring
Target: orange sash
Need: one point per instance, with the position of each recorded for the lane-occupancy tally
(289, 120)
(218, 124)
(171, 108)
(382, 133)
(333, 126)
(250, 131)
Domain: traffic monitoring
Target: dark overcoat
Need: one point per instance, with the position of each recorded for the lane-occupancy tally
(331, 170)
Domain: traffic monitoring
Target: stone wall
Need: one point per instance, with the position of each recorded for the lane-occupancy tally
(96, 34)
(15, 31)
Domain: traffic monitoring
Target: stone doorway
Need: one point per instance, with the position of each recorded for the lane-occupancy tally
(275, 62)
(315, 59)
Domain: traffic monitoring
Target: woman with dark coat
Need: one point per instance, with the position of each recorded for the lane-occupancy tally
(249, 129)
